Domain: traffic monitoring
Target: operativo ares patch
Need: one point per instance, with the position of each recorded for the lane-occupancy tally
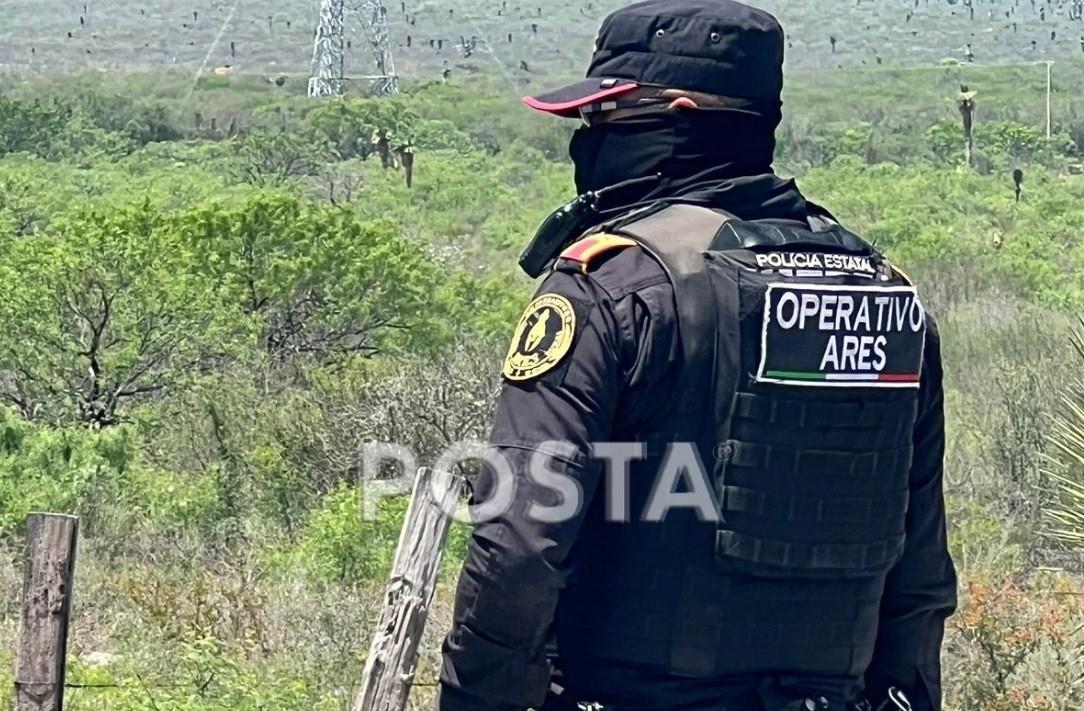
(543, 337)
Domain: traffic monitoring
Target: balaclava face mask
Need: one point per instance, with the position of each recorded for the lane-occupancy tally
(676, 143)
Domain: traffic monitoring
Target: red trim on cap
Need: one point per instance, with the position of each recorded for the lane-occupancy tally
(567, 106)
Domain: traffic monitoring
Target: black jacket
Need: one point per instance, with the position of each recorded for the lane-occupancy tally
(621, 365)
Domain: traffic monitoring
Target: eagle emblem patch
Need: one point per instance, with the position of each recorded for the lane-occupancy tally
(542, 339)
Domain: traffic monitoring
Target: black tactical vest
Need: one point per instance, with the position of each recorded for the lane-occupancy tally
(799, 388)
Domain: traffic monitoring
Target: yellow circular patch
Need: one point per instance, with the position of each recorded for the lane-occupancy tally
(543, 337)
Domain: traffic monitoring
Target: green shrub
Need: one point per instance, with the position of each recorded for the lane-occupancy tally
(29, 126)
(1004, 144)
(338, 545)
(63, 470)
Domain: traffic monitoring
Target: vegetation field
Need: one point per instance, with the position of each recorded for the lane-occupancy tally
(521, 41)
(212, 292)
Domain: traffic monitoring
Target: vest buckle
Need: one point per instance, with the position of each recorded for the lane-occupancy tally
(896, 701)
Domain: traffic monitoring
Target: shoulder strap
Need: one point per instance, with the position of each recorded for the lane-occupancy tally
(678, 236)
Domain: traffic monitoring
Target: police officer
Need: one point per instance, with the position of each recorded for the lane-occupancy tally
(722, 417)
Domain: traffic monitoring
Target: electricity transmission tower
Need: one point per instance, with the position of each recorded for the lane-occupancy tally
(329, 54)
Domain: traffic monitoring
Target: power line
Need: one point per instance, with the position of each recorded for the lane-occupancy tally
(212, 48)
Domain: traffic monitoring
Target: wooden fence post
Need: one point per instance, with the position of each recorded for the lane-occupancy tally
(42, 644)
(389, 669)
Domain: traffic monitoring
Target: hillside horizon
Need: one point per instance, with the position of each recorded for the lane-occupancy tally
(522, 43)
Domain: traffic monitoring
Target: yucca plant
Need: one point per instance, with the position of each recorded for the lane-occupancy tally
(1066, 460)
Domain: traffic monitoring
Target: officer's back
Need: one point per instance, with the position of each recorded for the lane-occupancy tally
(722, 415)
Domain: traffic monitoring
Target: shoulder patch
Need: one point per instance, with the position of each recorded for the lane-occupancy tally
(542, 339)
(590, 248)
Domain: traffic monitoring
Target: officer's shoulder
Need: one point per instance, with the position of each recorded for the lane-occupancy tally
(618, 264)
(900, 274)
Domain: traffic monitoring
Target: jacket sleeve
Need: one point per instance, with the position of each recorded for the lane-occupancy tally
(920, 591)
(494, 658)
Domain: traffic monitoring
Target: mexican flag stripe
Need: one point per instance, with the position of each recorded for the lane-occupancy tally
(845, 377)
(898, 378)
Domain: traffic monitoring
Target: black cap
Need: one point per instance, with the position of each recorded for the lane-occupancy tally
(719, 47)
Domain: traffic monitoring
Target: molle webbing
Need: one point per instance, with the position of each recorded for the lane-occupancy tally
(790, 557)
(832, 508)
(820, 234)
(816, 509)
(871, 472)
(804, 413)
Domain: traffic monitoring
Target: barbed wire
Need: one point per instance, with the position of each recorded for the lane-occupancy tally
(19, 684)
